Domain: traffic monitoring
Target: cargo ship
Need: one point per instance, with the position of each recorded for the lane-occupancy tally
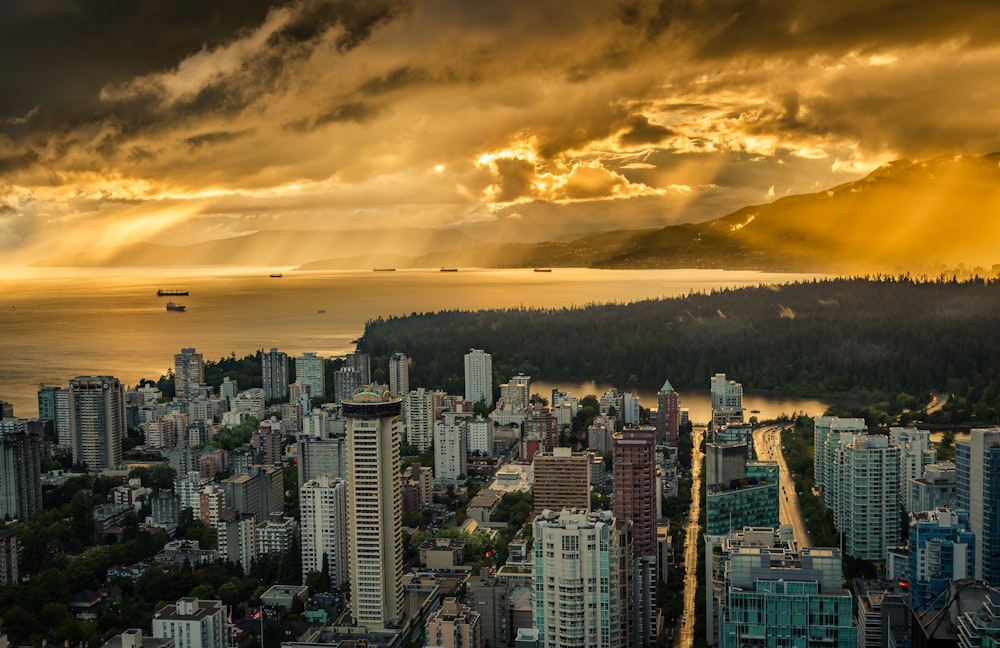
(171, 293)
(177, 308)
(449, 269)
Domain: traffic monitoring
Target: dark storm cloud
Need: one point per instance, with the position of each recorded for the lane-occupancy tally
(217, 137)
(352, 112)
(17, 162)
(358, 20)
(640, 131)
(59, 53)
(725, 28)
(398, 79)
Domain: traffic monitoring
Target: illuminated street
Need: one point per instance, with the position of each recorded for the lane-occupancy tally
(691, 541)
(767, 443)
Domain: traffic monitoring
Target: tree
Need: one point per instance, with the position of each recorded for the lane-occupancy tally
(290, 564)
(81, 510)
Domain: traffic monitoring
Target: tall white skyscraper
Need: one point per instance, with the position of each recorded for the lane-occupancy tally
(309, 371)
(915, 452)
(480, 436)
(450, 451)
(274, 375)
(323, 506)
(421, 412)
(399, 375)
(583, 580)
(829, 433)
(62, 419)
(375, 508)
(479, 376)
(977, 464)
(867, 497)
(97, 421)
(189, 372)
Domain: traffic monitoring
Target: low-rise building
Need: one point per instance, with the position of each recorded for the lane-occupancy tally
(192, 623)
(442, 553)
(483, 505)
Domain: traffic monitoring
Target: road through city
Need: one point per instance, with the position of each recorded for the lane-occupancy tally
(691, 541)
(767, 444)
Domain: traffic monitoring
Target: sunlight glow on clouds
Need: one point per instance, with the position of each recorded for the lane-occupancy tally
(186, 123)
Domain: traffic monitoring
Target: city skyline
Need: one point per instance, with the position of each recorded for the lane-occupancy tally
(180, 124)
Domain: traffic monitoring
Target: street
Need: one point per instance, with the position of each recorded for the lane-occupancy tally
(767, 443)
(691, 541)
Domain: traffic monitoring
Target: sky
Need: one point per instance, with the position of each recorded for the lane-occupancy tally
(177, 121)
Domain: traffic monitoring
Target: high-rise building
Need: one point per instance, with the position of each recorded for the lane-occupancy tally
(634, 467)
(237, 535)
(479, 377)
(325, 456)
(516, 392)
(450, 452)
(977, 465)
(937, 488)
(10, 573)
(942, 550)
(421, 413)
(189, 372)
(583, 580)
(346, 381)
(883, 613)
(274, 375)
(454, 625)
(727, 401)
(866, 508)
(538, 424)
(309, 371)
(399, 375)
(562, 480)
(63, 432)
(755, 503)
(374, 508)
(915, 452)
(763, 591)
(631, 410)
(251, 402)
(47, 402)
(323, 506)
(480, 436)
(668, 414)
(827, 439)
(96, 421)
(20, 470)
(491, 597)
(188, 487)
(362, 363)
(192, 623)
(276, 535)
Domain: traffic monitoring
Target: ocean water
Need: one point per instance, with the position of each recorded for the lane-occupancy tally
(56, 324)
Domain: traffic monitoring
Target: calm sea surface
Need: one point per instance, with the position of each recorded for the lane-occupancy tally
(58, 324)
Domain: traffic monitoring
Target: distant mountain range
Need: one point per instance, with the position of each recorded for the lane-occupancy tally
(904, 216)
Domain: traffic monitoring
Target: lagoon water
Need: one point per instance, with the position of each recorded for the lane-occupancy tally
(56, 324)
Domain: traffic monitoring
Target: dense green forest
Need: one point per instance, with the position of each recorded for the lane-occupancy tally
(888, 340)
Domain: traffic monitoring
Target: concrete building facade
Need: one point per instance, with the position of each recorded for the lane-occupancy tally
(323, 519)
(374, 508)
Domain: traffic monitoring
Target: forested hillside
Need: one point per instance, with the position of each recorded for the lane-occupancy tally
(867, 340)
